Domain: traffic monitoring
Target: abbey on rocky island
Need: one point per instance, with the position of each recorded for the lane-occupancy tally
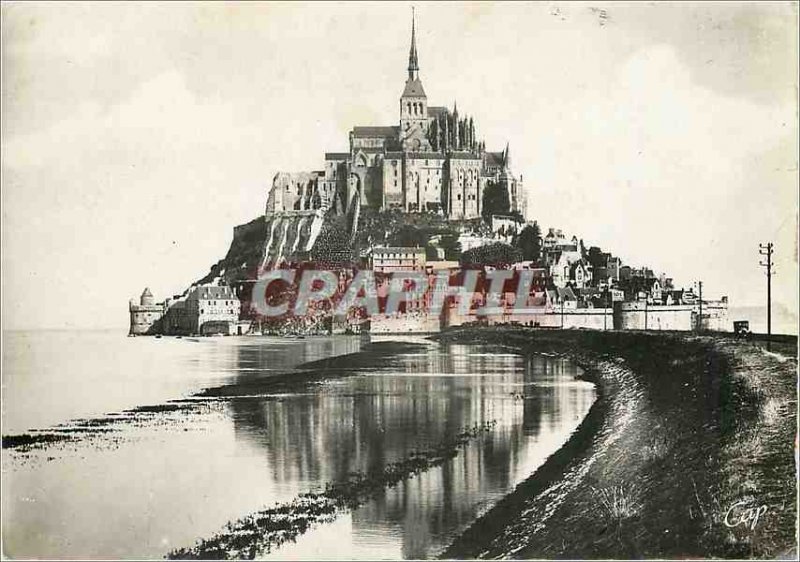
(431, 162)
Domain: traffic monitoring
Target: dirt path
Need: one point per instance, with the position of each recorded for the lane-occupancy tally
(685, 428)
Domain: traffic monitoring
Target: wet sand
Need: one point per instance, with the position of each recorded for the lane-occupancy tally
(294, 380)
(684, 428)
(443, 457)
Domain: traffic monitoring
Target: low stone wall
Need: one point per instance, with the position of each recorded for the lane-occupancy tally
(591, 318)
(639, 316)
(681, 317)
(405, 324)
(629, 316)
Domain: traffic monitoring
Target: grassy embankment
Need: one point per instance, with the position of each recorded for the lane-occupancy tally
(684, 428)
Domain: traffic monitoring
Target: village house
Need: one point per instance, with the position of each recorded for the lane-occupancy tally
(469, 241)
(592, 297)
(393, 258)
(560, 272)
(562, 298)
(203, 310)
(580, 273)
(556, 240)
(506, 227)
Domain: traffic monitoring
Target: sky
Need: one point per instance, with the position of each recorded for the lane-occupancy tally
(135, 136)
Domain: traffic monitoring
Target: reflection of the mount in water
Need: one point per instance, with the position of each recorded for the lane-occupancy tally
(272, 353)
(413, 402)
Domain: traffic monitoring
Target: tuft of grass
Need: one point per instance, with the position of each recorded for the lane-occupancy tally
(619, 502)
(772, 410)
(657, 448)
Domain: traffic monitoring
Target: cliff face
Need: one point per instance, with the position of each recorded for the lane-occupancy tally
(327, 239)
(287, 236)
(244, 254)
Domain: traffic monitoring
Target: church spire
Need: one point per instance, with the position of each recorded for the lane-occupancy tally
(413, 62)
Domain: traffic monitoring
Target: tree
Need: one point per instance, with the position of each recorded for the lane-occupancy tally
(409, 236)
(433, 134)
(529, 241)
(495, 201)
(496, 254)
(471, 134)
(451, 246)
(333, 243)
(596, 257)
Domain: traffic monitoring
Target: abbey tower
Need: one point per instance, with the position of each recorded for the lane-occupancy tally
(431, 161)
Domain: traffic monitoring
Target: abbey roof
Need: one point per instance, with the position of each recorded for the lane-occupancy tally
(414, 89)
(373, 132)
(494, 158)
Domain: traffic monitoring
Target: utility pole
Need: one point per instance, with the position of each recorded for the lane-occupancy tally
(700, 298)
(767, 250)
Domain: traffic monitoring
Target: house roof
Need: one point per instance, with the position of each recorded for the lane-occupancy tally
(566, 293)
(398, 250)
(649, 282)
(574, 265)
(414, 89)
(213, 292)
(375, 132)
(337, 155)
(562, 293)
(436, 111)
(589, 291)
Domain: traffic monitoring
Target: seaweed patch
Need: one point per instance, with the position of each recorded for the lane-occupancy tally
(268, 529)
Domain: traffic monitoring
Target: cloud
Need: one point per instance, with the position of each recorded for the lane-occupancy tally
(112, 198)
(656, 169)
(134, 151)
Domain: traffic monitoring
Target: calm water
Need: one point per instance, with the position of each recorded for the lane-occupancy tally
(167, 480)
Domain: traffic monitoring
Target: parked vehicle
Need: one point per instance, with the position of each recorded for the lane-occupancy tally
(741, 328)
